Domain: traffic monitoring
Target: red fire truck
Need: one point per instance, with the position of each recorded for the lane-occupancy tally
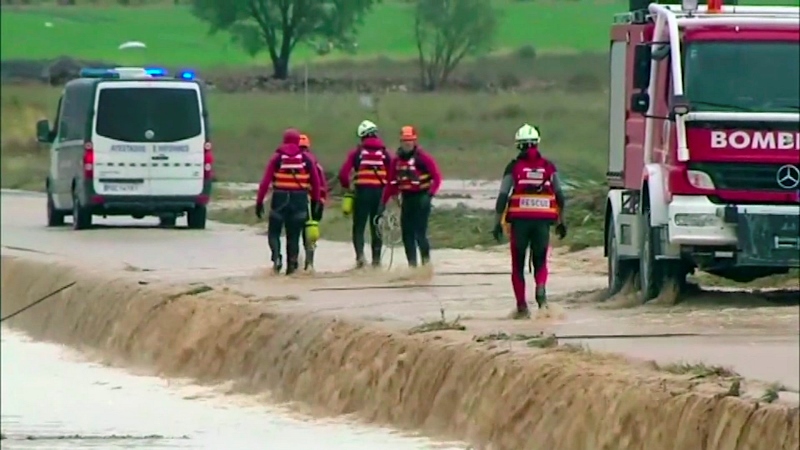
(704, 143)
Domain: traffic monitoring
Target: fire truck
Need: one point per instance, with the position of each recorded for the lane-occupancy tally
(704, 143)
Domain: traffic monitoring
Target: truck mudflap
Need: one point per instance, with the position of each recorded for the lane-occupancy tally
(769, 240)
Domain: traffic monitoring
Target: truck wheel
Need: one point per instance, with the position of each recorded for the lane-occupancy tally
(196, 218)
(55, 218)
(81, 216)
(620, 271)
(651, 271)
(167, 221)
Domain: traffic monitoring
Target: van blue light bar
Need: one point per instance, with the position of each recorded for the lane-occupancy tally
(98, 73)
(134, 73)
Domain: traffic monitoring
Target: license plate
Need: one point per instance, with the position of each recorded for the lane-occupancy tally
(534, 203)
(121, 187)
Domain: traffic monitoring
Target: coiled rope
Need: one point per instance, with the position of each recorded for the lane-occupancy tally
(387, 228)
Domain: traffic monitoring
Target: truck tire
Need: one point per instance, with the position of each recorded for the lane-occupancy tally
(55, 218)
(620, 271)
(196, 218)
(652, 272)
(81, 216)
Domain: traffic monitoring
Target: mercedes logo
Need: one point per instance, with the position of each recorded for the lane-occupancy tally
(149, 134)
(788, 177)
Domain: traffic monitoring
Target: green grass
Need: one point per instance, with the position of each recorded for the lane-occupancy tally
(175, 37)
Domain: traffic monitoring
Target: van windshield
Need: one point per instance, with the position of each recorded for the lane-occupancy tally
(742, 76)
(148, 114)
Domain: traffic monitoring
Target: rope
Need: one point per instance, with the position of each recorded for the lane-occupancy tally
(31, 305)
(388, 229)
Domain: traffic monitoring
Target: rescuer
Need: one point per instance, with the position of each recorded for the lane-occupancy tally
(415, 176)
(530, 201)
(309, 242)
(369, 162)
(294, 178)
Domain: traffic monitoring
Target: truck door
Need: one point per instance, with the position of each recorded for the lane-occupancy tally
(121, 148)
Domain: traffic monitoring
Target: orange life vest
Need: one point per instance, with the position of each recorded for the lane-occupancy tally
(293, 173)
(533, 196)
(411, 177)
(371, 168)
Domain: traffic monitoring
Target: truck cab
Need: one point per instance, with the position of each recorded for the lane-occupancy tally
(704, 143)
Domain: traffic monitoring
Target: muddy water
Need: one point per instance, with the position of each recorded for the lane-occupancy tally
(53, 400)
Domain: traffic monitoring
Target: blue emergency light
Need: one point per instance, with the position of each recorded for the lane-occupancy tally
(156, 72)
(186, 75)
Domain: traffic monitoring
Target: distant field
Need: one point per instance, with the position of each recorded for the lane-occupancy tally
(174, 36)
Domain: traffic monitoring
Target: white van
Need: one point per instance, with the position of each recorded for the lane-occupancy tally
(132, 142)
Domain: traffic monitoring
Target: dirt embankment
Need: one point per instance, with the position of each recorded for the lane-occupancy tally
(553, 399)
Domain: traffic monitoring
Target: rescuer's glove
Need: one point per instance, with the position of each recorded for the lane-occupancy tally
(561, 230)
(497, 232)
(259, 210)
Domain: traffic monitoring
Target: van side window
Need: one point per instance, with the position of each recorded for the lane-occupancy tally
(57, 119)
(75, 113)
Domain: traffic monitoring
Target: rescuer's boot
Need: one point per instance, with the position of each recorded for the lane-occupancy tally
(521, 313)
(309, 264)
(541, 297)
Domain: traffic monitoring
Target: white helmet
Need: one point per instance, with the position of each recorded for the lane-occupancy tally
(366, 127)
(527, 134)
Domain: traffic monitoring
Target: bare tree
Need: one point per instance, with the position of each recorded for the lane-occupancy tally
(448, 30)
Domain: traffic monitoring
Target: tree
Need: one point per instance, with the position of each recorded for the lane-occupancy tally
(277, 26)
(448, 30)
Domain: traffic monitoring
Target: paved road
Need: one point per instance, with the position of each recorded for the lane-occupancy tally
(756, 338)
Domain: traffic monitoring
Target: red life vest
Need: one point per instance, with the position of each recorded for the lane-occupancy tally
(371, 168)
(410, 176)
(533, 196)
(293, 173)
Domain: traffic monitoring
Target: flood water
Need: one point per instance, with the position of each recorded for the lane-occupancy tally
(52, 399)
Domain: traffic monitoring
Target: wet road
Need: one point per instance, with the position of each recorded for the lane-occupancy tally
(51, 399)
(760, 341)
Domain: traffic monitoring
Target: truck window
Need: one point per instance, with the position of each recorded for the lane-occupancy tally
(741, 75)
(127, 114)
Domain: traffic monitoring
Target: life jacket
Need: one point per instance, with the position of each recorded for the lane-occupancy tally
(371, 168)
(411, 176)
(293, 173)
(532, 196)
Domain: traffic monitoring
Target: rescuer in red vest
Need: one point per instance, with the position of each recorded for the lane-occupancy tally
(369, 161)
(532, 201)
(294, 178)
(414, 175)
(316, 213)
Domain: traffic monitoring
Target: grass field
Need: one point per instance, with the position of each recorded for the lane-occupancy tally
(470, 135)
(174, 36)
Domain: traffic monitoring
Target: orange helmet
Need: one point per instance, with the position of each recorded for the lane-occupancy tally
(305, 141)
(408, 133)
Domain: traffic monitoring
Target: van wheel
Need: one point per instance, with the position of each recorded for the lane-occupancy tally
(167, 221)
(55, 218)
(620, 271)
(81, 216)
(196, 218)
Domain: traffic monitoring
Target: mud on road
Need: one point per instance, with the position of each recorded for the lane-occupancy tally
(430, 351)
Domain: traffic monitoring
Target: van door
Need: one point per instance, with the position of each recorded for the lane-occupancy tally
(121, 151)
(161, 130)
(67, 149)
